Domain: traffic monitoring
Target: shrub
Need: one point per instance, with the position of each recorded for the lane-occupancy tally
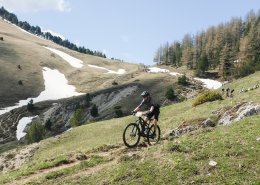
(170, 93)
(207, 96)
(20, 82)
(88, 100)
(119, 113)
(77, 118)
(244, 70)
(2, 38)
(48, 124)
(183, 80)
(114, 83)
(30, 105)
(94, 111)
(88, 97)
(36, 133)
(77, 105)
(117, 107)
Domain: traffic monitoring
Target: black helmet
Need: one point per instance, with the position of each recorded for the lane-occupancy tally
(145, 94)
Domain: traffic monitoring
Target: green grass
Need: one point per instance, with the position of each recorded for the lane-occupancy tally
(35, 165)
(95, 160)
(181, 161)
(87, 137)
(186, 159)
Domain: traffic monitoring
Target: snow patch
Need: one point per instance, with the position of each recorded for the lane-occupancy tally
(175, 74)
(210, 84)
(56, 87)
(119, 72)
(158, 70)
(21, 126)
(74, 62)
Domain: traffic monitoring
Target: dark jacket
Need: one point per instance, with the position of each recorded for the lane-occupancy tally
(149, 103)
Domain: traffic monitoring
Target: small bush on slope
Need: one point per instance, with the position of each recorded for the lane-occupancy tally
(207, 96)
(36, 133)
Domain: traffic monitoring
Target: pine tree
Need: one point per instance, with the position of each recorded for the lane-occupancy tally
(183, 80)
(36, 133)
(48, 124)
(178, 53)
(88, 100)
(226, 64)
(218, 44)
(209, 47)
(77, 118)
(158, 56)
(236, 40)
(187, 51)
(30, 105)
(170, 93)
(118, 111)
(203, 65)
(172, 56)
(94, 111)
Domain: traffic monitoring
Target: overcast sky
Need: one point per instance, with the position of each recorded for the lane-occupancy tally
(131, 30)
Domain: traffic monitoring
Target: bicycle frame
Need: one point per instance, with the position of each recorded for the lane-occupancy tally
(140, 128)
(141, 124)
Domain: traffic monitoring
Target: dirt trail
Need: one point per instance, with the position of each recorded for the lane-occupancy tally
(40, 173)
(91, 171)
(113, 154)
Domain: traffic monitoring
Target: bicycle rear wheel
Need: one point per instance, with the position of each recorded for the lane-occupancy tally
(153, 135)
(131, 135)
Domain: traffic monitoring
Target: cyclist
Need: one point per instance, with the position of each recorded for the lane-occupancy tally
(153, 108)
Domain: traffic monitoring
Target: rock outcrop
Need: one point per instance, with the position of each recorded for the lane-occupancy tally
(60, 113)
(239, 112)
(183, 129)
(234, 114)
(13, 159)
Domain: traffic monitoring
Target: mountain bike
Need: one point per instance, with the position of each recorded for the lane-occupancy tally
(134, 131)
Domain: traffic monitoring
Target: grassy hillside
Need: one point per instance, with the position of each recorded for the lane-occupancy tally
(21, 63)
(21, 48)
(26, 50)
(94, 153)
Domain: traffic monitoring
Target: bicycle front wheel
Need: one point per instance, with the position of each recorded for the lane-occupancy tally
(153, 135)
(131, 135)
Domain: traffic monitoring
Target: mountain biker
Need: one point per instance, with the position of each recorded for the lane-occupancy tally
(153, 108)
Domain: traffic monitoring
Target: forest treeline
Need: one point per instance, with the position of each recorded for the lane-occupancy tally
(232, 49)
(47, 35)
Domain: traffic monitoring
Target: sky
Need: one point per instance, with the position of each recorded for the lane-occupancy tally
(131, 30)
